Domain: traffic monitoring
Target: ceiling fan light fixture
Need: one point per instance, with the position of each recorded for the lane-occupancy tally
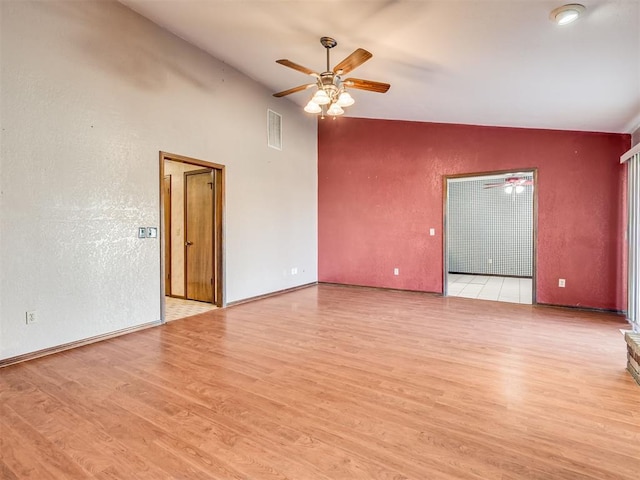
(312, 107)
(519, 189)
(335, 109)
(331, 88)
(345, 99)
(508, 189)
(567, 14)
(321, 97)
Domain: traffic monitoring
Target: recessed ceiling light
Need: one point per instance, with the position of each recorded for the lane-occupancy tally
(567, 13)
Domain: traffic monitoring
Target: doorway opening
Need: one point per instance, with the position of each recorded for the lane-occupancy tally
(490, 222)
(191, 260)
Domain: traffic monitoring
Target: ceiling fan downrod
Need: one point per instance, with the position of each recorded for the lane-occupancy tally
(328, 43)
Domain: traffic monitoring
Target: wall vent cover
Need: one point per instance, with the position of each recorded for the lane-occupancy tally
(274, 129)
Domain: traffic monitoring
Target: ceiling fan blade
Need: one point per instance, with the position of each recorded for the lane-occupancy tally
(369, 85)
(294, 90)
(295, 66)
(495, 185)
(354, 60)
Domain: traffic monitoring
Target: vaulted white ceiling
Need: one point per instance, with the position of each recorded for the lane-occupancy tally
(481, 62)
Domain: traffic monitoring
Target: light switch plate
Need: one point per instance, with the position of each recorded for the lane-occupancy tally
(432, 231)
(31, 317)
(142, 232)
(152, 232)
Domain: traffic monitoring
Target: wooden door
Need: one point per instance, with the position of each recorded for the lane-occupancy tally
(167, 234)
(199, 203)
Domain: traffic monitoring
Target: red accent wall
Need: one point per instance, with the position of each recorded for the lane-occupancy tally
(380, 189)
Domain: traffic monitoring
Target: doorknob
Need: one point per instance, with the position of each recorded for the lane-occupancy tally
(187, 243)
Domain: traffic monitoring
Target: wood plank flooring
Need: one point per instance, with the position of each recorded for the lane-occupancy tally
(334, 382)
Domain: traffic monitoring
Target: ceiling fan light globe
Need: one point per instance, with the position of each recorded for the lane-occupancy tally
(312, 107)
(519, 189)
(345, 99)
(334, 110)
(508, 189)
(321, 98)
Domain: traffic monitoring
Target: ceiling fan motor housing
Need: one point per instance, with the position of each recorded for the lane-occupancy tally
(327, 79)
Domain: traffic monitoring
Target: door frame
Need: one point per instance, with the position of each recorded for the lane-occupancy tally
(166, 238)
(218, 224)
(445, 242)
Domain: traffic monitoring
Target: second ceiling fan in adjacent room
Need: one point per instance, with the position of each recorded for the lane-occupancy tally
(511, 184)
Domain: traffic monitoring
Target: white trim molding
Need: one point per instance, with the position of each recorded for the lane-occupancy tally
(627, 155)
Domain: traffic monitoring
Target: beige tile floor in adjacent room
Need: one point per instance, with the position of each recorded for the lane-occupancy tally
(501, 289)
(176, 308)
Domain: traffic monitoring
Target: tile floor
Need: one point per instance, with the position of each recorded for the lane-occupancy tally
(501, 289)
(176, 308)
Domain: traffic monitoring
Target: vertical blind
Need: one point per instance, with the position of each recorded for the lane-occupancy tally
(632, 159)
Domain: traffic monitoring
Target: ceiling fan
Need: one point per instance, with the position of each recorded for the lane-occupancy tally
(511, 183)
(331, 94)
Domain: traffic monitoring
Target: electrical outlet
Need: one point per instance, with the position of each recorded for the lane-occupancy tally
(561, 282)
(396, 271)
(31, 317)
(294, 271)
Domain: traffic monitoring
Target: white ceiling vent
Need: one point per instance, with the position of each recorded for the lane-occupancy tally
(274, 129)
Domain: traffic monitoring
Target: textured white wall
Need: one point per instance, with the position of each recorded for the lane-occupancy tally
(90, 92)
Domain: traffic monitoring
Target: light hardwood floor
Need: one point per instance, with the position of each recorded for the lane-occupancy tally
(334, 382)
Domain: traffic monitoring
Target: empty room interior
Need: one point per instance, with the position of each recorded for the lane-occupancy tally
(319, 240)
